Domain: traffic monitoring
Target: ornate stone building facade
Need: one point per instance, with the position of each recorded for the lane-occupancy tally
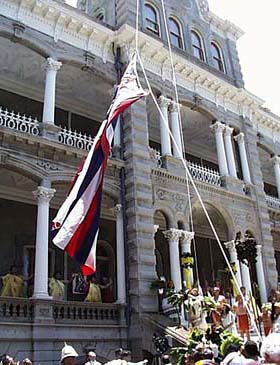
(58, 71)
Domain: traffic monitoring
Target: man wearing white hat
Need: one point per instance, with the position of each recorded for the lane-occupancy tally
(68, 355)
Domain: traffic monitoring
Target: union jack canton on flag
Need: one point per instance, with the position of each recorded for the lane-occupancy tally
(75, 228)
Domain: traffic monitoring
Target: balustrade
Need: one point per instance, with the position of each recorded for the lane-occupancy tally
(204, 174)
(155, 157)
(272, 202)
(22, 310)
(75, 139)
(18, 122)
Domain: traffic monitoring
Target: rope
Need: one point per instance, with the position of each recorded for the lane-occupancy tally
(187, 172)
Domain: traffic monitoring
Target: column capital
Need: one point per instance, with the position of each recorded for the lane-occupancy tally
(230, 245)
(172, 234)
(52, 65)
(239, 138)
(228, 131)
(218, 127)
(276, 160)
(163, 101)
(43, 195)
(259, 249)
(174, 107)
(187, 237)
(117, 210)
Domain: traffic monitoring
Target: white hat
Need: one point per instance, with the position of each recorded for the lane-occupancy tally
(68, 351)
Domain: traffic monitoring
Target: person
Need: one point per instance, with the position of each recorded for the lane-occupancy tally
(56, 287)
(249, 355)
(242, 317)
(13, 284)
(7, 360)
(228, 319)
(122, 357)
(275, 315)
(27, 362)
(270, 349)
(193, 305)
(265, 318)
(243, 292)
(92, 359)
(107, 292)
(232, 350)
(94, 292)
(217, 313)
(68, 355)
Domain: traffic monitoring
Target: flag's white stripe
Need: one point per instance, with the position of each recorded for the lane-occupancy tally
(110, 134)
(78, 213)
(73, 194)
(90, 261)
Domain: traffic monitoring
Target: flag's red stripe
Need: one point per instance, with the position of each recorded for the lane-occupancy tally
(78, 237)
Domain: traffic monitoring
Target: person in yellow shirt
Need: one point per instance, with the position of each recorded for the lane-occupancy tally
(56, 287)
(94, 292)
(13, 284)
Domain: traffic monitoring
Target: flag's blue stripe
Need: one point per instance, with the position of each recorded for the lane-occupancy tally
(82, 253)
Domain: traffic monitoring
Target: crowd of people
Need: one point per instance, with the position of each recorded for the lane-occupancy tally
(81, 288)
(248, 354)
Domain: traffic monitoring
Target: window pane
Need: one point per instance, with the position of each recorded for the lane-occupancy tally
(196, 52)
(215, 51)
(150, 13)
(174, 27)
(196, 40)
(175, 40)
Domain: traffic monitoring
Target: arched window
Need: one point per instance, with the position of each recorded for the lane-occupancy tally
(197, 46)
(217, 57)
(151, 19)
(175, 33)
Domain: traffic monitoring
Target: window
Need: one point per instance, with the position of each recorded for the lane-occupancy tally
(217, 57)
(151, 19)
(175, 33)
(197, 46)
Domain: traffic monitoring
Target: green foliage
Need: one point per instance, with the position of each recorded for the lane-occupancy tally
(228, 339)
(176, 298)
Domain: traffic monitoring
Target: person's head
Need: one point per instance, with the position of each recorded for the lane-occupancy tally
(7, 360)
(239, 298)
(270, 349)
(121, 353)
(251, 349)
(207, 354)
(194, 292)
(243, 290)
(105, 280)
(91, 355)
(27, 362)
(92, 279)
(216, 291)
(68, 355)
(218, 282)
(231, 348)
(57, 275)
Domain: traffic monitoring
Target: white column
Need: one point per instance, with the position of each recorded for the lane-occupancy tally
(260, 275)
(218, 128)
(173, 236)
(229, 151)
(52, 67)
(186, 240)
(175, 129)
(276, 164)
(164, 134)
(243, 156)
(233, 259)
(121, 282)
(246, 280)
(43, 196)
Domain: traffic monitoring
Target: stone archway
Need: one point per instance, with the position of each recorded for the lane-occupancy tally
(210, 260)
(161, 245)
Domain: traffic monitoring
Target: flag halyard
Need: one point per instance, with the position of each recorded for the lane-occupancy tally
(75, 227)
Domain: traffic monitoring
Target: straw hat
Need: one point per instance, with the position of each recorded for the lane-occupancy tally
(68, 351)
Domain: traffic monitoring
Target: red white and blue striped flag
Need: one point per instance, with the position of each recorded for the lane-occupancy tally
(75, 228)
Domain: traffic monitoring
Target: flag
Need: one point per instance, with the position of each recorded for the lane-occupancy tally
(75, 227)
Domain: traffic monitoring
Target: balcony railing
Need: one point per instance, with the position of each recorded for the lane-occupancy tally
(272, 202)
(23, 310)
(204, 174)
(198, 172)
(28, 125)
(19, 123)
(75, 139)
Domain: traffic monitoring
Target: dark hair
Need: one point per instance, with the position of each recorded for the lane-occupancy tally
(232, 347)
(251, 348)
(122, 353)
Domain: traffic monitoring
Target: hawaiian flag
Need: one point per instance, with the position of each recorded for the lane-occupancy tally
(75, 228)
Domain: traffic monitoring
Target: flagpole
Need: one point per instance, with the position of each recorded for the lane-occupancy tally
(119, 71)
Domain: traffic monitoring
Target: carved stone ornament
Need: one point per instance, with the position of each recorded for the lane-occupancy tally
(186, 236)
(218, 127)
(173, 234)
(228, 131)
(47, 166)
(230, 245)
(43, 194)
(52, 65)
(164, 102)
(239, 138)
